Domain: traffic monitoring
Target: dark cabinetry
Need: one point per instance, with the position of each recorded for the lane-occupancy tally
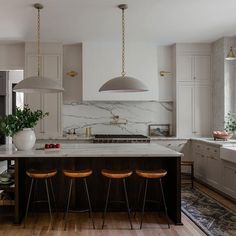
(3, 76)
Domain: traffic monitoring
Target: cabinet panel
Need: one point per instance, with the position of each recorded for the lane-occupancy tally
(3, 78)
(228, 178)
(185, 96)
(50, 68)
(202, 68)
(184, 68)
(202, 110)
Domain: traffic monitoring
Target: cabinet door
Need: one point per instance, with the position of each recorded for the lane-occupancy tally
(3, 78)
(185, 68)
(34, 100)
(185, 110)
(50, 68)
(201, 166)
(202, 68)
(228, 179)
(202, 110)
(52, 101)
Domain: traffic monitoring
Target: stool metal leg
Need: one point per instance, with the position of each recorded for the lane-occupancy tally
(53, 194)
(144, 201)
(49, 202)
(127, 203)
(163, 198)
(138, 199)
(88, 197)
(68, 203)
(107, 198)
(28, 203)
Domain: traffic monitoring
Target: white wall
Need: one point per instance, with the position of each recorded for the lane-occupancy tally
(102, 62)
(165, 63)
(72, 60)
(12, 56)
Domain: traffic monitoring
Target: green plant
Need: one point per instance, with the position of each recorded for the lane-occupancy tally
(230, 124)
(25, 118)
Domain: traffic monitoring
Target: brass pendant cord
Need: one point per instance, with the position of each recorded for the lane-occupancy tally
(123, 43)
(38, 41)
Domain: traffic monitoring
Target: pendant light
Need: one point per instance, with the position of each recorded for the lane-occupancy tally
(231, 56)
(37, 84)
(123, 83)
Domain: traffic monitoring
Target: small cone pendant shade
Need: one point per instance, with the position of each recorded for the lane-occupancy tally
(231, 55)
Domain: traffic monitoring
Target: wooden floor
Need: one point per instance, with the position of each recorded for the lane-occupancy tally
(116, 224)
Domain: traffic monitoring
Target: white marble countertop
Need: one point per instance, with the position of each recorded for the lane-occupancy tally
(94, 150)
(230, 142)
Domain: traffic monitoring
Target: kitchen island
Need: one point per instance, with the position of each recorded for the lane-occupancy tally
(147, 156)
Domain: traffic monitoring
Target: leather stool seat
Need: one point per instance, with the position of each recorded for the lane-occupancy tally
(151, 174)
(116, 174)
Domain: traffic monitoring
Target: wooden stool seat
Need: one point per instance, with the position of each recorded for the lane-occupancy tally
(41, 174)
(151, 174)
(77, 173)
(116, 174)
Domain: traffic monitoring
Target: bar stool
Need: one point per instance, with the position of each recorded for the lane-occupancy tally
(78, 174)
(118, 175)
(148, 175)
(191, 165)
(45, 175)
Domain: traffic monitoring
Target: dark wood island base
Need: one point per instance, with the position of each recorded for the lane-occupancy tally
(97, 184)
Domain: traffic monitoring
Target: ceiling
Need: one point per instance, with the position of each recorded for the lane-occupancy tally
(158, 21)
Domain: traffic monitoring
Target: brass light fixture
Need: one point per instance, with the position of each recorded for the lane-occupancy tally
(231, 56)
(37, 84)
(123, 83)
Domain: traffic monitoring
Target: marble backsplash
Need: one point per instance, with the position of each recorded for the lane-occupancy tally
(116, 117)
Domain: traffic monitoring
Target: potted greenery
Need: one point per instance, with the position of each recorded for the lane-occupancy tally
(230, 124)
(20, 126)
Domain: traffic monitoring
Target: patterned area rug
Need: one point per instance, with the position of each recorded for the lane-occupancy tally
(208, 214)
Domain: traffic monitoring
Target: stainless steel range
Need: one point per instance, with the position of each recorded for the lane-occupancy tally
(120, 138)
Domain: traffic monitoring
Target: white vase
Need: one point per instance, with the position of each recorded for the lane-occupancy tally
(24, 139)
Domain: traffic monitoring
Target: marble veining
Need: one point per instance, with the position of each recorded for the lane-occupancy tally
(134, 117)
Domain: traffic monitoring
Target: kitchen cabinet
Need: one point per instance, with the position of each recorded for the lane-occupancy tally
(193, 90)
(193, 109)
(193, 68)
(102, 62)
(228, 178)
(207, 163)
(51, 67)
(3, 88)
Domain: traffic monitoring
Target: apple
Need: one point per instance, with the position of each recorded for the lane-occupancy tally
(51, 145)
(46, 146)
(57, 145)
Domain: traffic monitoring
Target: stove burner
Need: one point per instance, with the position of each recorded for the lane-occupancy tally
(120, 138)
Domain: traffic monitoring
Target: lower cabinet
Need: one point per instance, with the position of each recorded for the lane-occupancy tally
(228, 174)
(207, 163)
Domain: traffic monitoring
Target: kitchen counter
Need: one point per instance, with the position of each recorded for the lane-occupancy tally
(93, 150)
(230, 142)
(117, 156)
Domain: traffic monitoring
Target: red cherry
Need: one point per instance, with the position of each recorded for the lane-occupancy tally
(57, 145)
(46, 146)
(51, 145)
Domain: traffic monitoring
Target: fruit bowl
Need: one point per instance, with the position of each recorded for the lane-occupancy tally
(222, 135)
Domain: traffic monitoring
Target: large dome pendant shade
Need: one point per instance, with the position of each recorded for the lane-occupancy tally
(123, 83)
(38, 84)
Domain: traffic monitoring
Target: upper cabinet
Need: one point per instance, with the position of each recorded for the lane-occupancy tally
(194, 67)
(102, 62)
(193, 93)
(51, 67)
(3, 79)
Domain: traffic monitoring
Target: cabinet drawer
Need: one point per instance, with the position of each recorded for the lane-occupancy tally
(212, 151)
